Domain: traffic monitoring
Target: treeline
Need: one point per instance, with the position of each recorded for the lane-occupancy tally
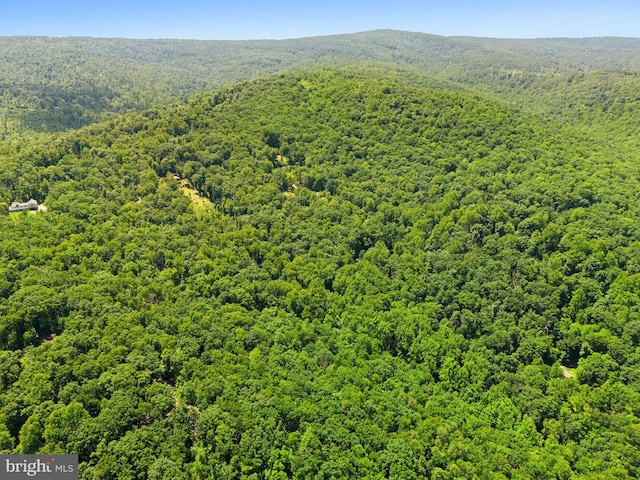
(55, 84)
(382, 279)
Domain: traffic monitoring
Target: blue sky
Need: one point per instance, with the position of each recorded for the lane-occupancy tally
(253, 19)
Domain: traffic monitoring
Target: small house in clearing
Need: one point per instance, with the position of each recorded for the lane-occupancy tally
(18, 207)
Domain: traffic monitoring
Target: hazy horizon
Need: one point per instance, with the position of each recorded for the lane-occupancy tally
(285, 19)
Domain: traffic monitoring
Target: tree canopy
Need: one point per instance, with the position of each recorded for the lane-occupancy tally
(354, 272)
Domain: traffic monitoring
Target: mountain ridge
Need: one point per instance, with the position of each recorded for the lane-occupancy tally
(60, 83)
(388, 282)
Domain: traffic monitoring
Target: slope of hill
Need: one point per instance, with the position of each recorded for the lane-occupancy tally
(52, 84)
(392, 280)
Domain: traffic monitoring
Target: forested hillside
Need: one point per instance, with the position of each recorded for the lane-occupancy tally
(54, 84)
(332, 273)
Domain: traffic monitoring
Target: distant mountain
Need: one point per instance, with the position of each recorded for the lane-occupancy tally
(52, 84)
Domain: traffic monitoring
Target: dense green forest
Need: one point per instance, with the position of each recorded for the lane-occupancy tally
(53, 84)
(361, 271)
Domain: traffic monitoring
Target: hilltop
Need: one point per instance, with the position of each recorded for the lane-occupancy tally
(389, 279)
(54, 84)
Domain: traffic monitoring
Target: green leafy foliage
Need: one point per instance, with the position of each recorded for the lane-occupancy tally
(55, 84)
(385, 282)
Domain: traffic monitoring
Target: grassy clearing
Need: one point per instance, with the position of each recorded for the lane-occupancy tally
(568, 372)
(199, 203)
